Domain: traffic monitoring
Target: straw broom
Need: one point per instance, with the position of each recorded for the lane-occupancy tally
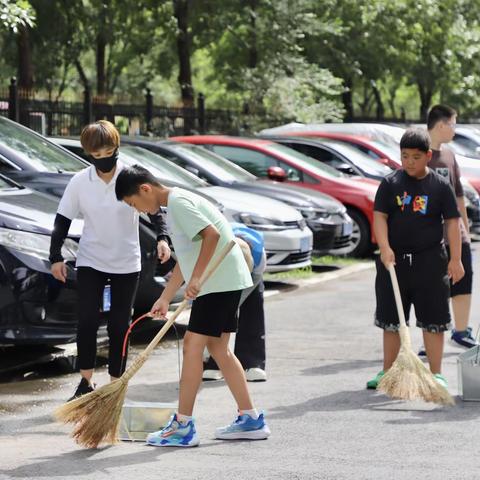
(96, 415)
(408, 378)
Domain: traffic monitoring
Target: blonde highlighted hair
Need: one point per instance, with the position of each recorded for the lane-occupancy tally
(99, 135)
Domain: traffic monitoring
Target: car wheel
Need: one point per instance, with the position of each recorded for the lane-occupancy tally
(360, 244)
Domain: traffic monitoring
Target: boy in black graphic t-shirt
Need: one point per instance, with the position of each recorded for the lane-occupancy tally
(411, 207)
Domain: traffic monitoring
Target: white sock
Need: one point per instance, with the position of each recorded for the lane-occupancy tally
(183, 419)
(253, 413)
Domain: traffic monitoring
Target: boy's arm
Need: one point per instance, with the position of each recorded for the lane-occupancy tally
(463, 212)
(160, 307)
(455, 267)
(210, 237)
(380, 227)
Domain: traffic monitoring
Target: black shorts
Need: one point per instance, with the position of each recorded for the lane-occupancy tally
(464, 286)
(424, 282)
(215, 313)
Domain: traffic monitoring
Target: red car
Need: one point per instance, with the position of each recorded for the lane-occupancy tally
(265, 158)
(382, 152)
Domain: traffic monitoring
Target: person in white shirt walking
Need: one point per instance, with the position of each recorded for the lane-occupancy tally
(109, 250)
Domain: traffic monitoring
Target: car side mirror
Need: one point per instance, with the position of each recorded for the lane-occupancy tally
(276, 173)
(346, 168)
(193, 170)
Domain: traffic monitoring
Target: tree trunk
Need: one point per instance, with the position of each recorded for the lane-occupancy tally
(380, 111)
(81, 73)
(25, 65)
(100, 51)
(183, 49)
(426, 94)
(100, 61)
(252, 49)
(347, 99)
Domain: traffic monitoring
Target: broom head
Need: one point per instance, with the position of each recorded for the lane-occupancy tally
(96, 415)
(409, 379)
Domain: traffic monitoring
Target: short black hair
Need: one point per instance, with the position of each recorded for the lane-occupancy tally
(416, 138)
(129, 181)
(439, 113)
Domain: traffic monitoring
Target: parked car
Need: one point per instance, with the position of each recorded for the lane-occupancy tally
(288, 242)
(325, 216)
(35, 308)
(35, 162)
(264, 157)
(341, 156)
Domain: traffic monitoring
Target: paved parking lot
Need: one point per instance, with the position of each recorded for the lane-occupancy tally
(322, 347)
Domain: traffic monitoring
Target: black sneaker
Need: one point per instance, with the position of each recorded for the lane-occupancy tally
(83, 388)
(463, 339)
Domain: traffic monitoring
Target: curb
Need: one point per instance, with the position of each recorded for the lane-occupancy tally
(317, 279)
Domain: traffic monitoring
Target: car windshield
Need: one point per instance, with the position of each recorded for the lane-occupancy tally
(389, 150)
(4, 185)
(39, 153)
(361, 160)
(303, 161)
(216, 165)
(159, 166)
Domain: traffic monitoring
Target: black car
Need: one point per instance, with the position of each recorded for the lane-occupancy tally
(34, 307)
(325, 216)
(341, 156)
(33, 161)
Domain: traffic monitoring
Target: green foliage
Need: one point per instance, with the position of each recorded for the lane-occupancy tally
(16, 13)
(300, 60)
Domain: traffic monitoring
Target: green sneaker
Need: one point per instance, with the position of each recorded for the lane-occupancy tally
(372, 384)
(441, 380)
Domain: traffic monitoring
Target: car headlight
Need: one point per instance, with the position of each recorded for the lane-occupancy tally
(35, 244)
(262, 223)
(314, 213)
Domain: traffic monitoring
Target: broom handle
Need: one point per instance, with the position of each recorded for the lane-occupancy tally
(206, 275)
(398, 297)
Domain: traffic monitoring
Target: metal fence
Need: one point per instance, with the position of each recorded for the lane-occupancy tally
(64, 118)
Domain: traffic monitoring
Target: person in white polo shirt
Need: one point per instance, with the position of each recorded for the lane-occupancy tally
(109, 250)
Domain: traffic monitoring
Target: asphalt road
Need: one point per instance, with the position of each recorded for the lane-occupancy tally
(321, 348)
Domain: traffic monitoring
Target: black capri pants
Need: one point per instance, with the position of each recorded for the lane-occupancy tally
(91, 284)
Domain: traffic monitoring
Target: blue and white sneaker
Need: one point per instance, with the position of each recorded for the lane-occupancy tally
(463, 339)
(244, 428)
(175, 434)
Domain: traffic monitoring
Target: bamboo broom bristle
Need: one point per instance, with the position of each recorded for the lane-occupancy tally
(409, 379)
(96, 415)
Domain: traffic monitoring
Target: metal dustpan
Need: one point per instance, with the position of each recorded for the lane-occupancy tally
(469, 374)
(141, 418)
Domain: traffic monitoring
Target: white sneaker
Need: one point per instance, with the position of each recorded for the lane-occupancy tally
(212, 375)
(255, 375)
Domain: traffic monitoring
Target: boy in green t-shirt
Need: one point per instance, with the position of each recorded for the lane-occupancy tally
(198, 231)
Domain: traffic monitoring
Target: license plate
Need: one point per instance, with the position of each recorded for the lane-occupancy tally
(305, 244)
(347, 228)
(107, 298)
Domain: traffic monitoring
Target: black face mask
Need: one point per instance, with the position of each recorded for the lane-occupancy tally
(105, 164)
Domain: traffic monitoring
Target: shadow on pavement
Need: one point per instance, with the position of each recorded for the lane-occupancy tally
(84, 462)
(334, 368)
(354, 400)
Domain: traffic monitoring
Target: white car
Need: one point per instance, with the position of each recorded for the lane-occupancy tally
(288, 240)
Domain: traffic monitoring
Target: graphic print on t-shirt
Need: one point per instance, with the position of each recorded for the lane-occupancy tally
(444, 172)
(420, 202)
(403, 200)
